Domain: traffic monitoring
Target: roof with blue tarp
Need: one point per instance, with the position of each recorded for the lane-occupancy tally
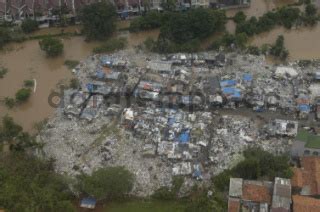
(90, 87)
(100, 74)
(232, 92)
(171, 121)
(184, 137)
(304, 108)
(197, 172)
(88, 202)
(105, 60)
(247, 77)
(228, 83)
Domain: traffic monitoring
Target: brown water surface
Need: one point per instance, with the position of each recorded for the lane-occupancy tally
(302, 43)
(26, 61)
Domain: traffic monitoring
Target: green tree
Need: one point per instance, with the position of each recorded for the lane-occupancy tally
(3, 72)
(23, 94)
(52, 46)
(4, 36)
(278, 49)
(9, 102)
(28, 83)
(169, 5)
(239, 17)
(28, 184)
(29, 25)
(310, 10)
(151, 20)
(99, 20)
(110, 183)
(241, 39)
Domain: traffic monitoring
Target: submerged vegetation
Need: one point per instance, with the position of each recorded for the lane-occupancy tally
(111, 45)
(23, 95)
(52, 46)
(3, 72)
(71, 64)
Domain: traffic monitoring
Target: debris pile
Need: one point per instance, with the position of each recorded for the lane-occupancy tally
(181, 114)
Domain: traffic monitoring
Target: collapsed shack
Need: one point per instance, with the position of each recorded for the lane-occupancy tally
(161, 119)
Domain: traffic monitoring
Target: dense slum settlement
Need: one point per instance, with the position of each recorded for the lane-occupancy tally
(194, 112)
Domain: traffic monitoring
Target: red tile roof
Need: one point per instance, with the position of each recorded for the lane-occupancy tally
(256, 192)
(308, 175)
(305, 204)
(233, 205)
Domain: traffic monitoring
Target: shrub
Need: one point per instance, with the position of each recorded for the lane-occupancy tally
(151, 20)
(4, 36)
(28, 83)
(3, 71)
(71, 64)
(110, 183)
(278, 49)
(29, 25)
(52, 46)
(111, 45)
(240, 17)
(9, 102)
(23, 94)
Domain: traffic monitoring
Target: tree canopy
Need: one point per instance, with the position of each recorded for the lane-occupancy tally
(29, 25)
(256, 165)
(28, 184)
(278, 49)
(4, 36)
(13, 134)
(52, 46)
(99, 20)
(107, 183)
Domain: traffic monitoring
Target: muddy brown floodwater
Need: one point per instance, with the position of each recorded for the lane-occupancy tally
(26, 61)
(302, 43)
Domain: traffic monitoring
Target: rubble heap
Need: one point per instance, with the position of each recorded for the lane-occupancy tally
(166, 116)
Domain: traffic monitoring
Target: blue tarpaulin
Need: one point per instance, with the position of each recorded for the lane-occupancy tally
(171, 121)
(228, 83)
(232, 92)
(247, 77)
(106, 61)
(90, 87)
(100, 74)
(184, 137)
(88, 203)
(304, 108)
